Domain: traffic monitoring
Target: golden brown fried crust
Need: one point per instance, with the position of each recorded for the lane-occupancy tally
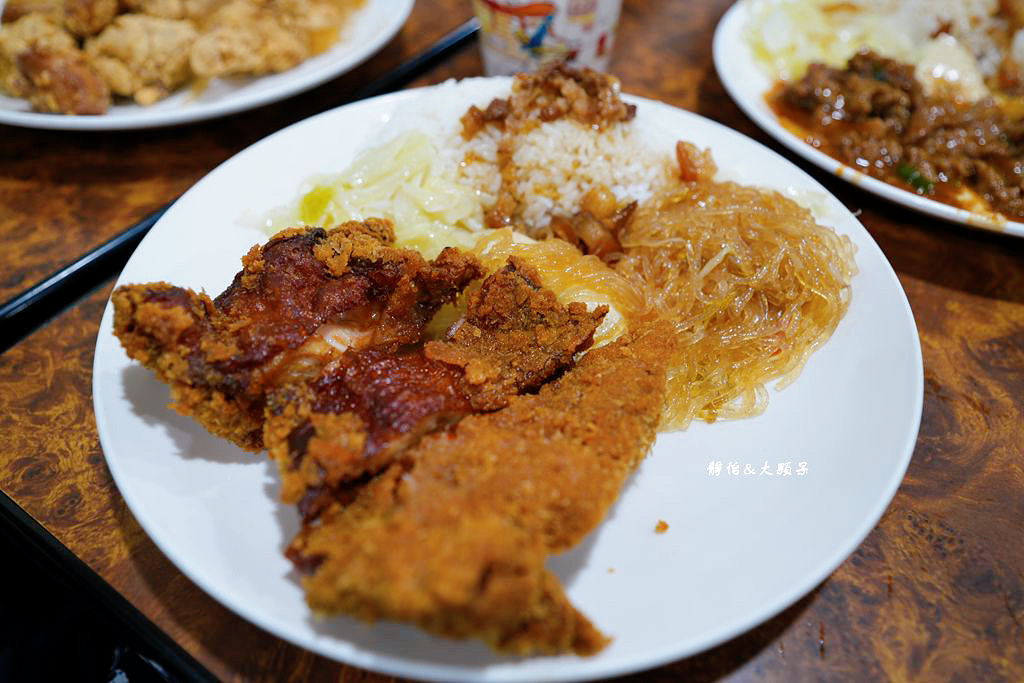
(221, 356)
(263, 36)
(516, 336)
(160, 326)
(454, 539)
(40, 61)
(63, 82)
(143, 57)
(88, 17)
(16, 9)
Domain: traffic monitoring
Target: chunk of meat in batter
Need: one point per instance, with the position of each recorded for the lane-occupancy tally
(40, 61)
(16, 9)
(143, 57)
(264, 36)
(88, 17)
(198, 11)
(221, 356)
(454, 537)
(362, 412)
(63, 82)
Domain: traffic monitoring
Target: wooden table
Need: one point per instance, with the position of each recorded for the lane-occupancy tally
(936, 590)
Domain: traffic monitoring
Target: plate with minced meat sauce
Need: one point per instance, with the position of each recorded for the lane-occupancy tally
(872, 122)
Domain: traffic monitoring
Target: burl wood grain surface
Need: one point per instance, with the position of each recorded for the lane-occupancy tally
(936, 592)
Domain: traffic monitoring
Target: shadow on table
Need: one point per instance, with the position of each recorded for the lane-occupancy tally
(149, 399)
(729, 657)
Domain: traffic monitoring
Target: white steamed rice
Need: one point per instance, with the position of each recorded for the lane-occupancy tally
(558, 162)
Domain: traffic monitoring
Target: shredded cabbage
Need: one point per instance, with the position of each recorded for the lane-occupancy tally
(786, 36)
(406, 180)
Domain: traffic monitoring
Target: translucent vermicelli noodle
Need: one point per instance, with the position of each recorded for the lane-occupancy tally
(752, 284)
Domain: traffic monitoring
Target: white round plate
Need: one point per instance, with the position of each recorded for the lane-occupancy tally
(364, 33)
(740, 548)
(747, 84)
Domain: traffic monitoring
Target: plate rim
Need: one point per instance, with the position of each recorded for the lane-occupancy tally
(395, 11)
(586, 669)
(727, 41)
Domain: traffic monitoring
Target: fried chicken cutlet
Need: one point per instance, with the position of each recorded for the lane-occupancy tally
(454, 537)
(371, 404)
(221, 356)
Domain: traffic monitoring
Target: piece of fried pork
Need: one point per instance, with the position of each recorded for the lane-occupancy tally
(221, 356)
(454, 536)
(369, 406)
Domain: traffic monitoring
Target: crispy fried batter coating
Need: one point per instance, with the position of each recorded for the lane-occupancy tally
(40, 61)
(245, 37)
(370, 405)
(88, 17)
(418, 504)
(143, 57)
(33, 31)
(221, 356)
(146, 49)
(264, 36)
(454, 537)
(16, 9)
(81, 17)
(63, 82)
(515, 336)
(198, 11)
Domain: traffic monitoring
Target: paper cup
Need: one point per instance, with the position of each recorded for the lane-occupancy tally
(518, 35)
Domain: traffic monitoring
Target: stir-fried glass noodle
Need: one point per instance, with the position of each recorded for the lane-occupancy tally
(752, 284)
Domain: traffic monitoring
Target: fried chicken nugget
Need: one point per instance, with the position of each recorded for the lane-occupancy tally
(40, 61)
(515, 336)
(143, 57)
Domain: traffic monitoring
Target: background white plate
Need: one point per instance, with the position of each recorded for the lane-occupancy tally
(748, 85)
(367, 31)
(739, 548)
